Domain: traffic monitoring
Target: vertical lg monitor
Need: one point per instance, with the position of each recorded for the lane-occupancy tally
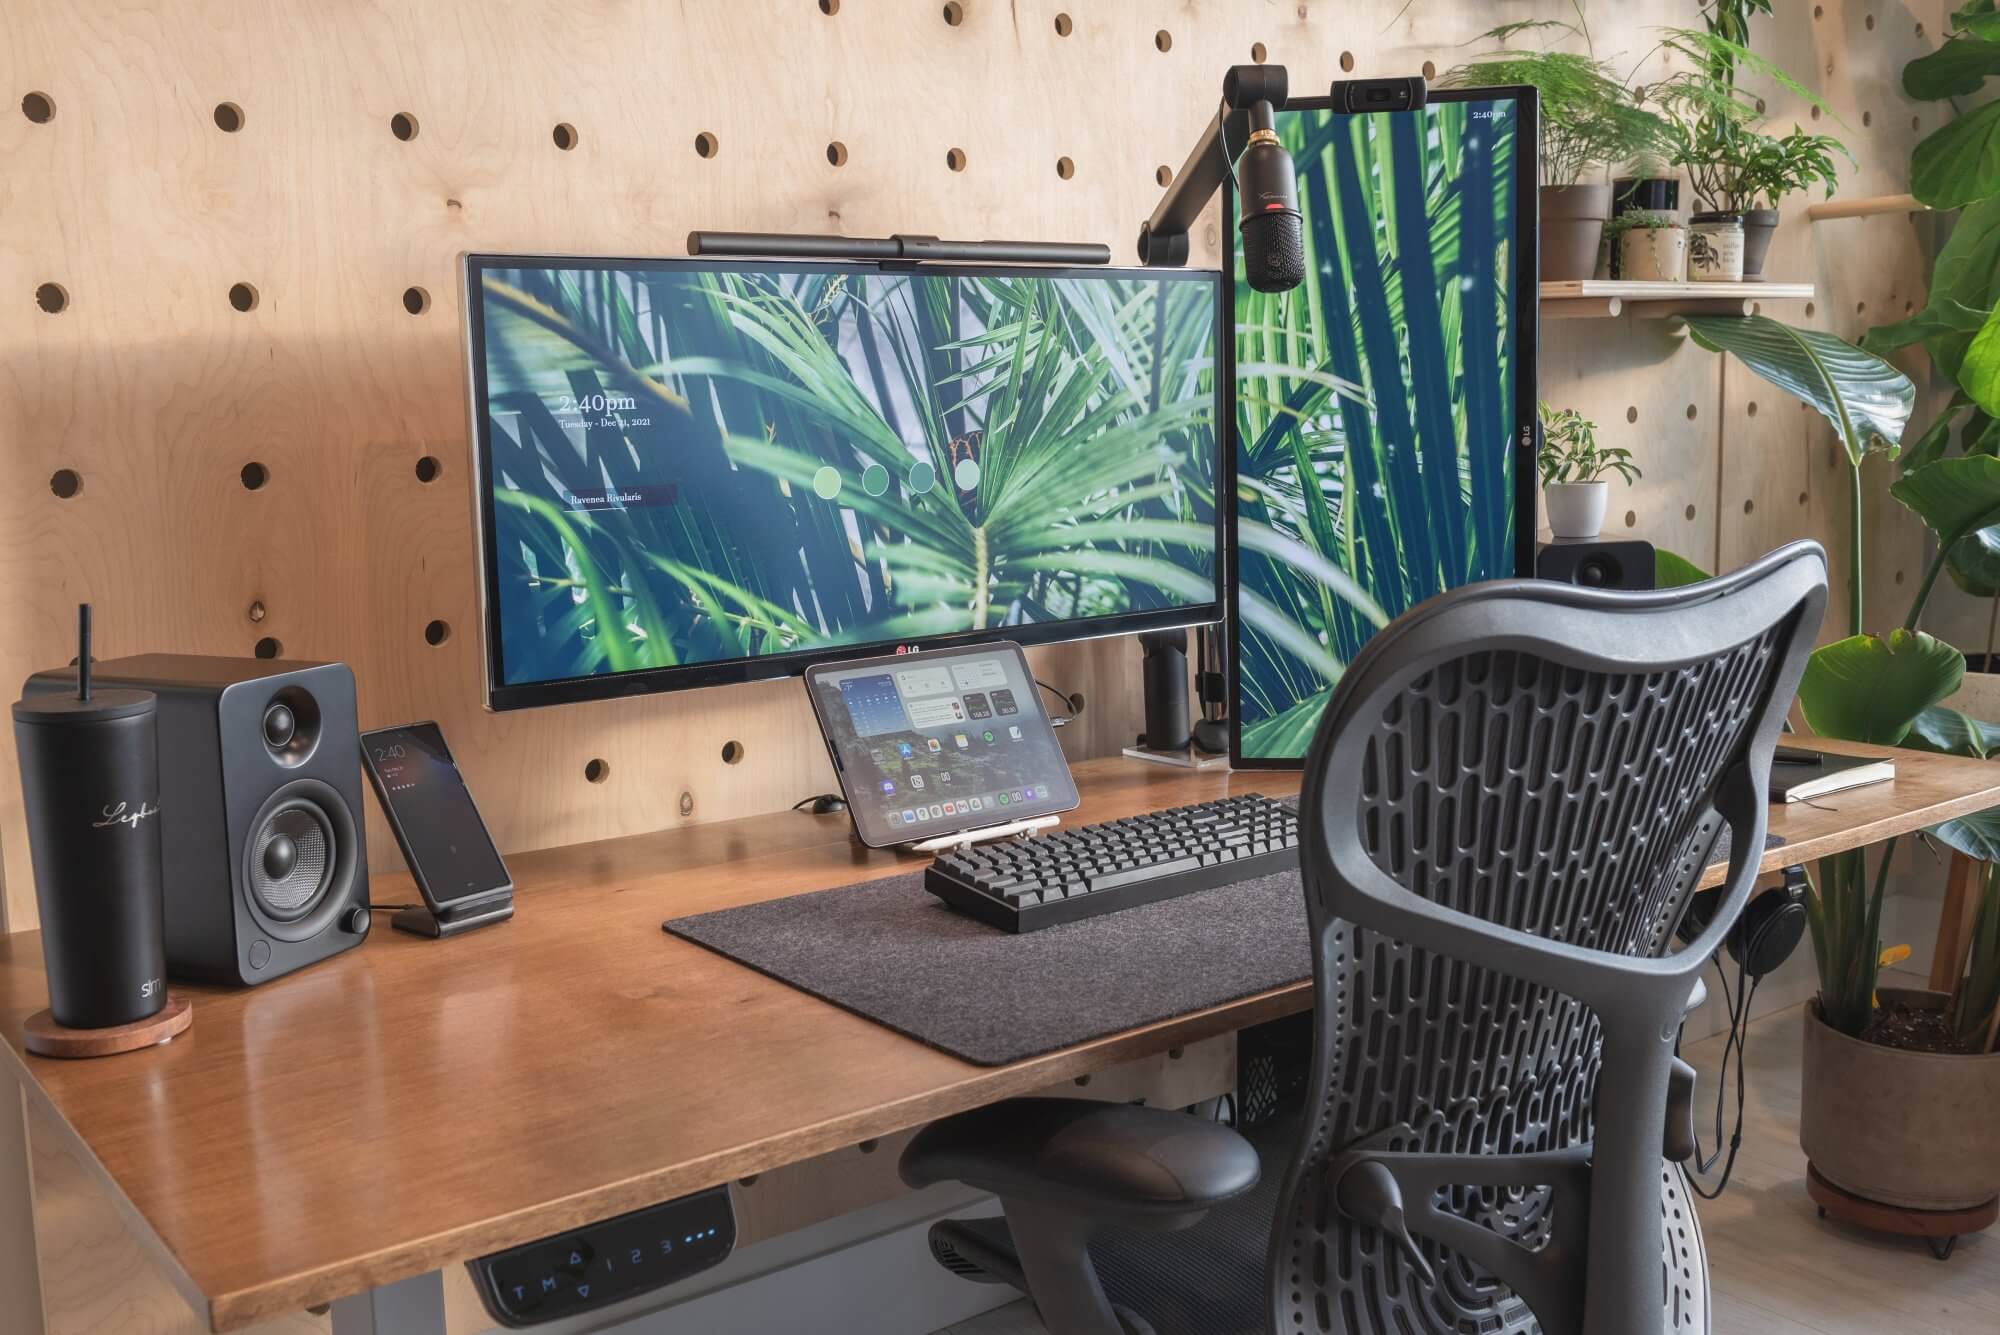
(1385, 407)
(693, 472)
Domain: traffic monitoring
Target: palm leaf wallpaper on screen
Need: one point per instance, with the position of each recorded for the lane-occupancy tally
(692, 465)
(1375, 402)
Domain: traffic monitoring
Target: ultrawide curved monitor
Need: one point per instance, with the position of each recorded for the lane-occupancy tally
(693, 472)
(1385, 408)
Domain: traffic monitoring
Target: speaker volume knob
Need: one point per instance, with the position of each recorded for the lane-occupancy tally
(279, 726)
(355, 920)
(281, 855)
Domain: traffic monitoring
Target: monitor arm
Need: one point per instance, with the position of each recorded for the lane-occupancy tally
(1251, 94)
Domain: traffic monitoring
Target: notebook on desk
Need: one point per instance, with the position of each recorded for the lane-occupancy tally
(1804, 779)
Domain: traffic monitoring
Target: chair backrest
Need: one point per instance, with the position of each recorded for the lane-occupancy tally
(1512, 794)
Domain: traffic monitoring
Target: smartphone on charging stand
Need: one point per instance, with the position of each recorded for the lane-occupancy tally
(452, 858)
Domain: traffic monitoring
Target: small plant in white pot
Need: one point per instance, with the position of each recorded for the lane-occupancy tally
(1573, 466)
(1648, 247)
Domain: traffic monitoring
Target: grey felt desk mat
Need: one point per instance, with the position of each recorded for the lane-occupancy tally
(891, 952)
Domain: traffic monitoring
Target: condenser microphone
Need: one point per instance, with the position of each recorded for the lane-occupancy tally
(1274, 253)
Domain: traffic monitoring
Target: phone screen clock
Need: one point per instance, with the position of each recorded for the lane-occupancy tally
(450, 854)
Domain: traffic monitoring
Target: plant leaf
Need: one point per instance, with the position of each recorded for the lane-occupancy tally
(1951, 495)
(1949, 732)
(1959, 162)
(1976, 836)
(1956, 69)
(1979, 376)
(1671, 571)
(1872, 688)
(1865, 398)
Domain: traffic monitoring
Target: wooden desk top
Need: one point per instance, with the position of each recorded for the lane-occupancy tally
(414, 1103)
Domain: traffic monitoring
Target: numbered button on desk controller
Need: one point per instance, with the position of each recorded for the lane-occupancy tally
(606, 1262)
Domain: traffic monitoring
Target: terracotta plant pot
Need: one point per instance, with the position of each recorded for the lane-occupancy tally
(1576, 509)
(1912, 1129)
(1572, 226)
(1653, 255)
(1759, 226)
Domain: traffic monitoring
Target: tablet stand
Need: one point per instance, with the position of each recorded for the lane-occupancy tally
(419, 920)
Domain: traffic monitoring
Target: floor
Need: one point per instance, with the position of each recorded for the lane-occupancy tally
(1779, 1269)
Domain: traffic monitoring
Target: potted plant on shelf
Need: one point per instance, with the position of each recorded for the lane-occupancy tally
(1734, 168)
(1647, 185)
(1648, 247)
(1573, 466)
(1588, 118)
(1886, 1121)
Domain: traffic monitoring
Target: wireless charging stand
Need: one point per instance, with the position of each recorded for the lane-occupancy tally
(419, 920)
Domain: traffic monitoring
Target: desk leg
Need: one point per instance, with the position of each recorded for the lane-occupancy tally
(413, 1306)
(20, 1265)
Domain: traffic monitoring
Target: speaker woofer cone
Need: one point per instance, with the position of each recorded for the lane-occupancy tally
(299, 862)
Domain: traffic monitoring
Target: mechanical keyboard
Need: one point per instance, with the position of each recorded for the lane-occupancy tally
(1030, 884)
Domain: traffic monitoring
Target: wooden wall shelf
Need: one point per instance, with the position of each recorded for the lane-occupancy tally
(1596, 298)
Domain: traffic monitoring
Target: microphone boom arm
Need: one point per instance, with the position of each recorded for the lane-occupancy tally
(1163, 238)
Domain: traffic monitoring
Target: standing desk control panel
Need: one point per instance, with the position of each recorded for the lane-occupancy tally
(606, 1262)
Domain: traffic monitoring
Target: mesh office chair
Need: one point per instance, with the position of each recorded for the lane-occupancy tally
(1511, 796)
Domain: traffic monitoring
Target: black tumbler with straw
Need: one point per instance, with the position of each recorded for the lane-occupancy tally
(90, 780)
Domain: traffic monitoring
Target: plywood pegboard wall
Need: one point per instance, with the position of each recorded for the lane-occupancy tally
(242, 423)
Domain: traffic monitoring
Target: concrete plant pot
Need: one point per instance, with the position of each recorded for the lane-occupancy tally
(1759, 226)
(1576, 509)
(1573, 218)
(1917, 1130)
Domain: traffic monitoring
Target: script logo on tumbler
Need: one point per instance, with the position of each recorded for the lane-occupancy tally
(121, 815)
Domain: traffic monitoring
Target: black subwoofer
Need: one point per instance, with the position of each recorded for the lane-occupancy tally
(263, 860)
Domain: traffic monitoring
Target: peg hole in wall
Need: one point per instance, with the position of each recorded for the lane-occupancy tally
(706, 144)
(228, 117)
(749, 1181)
(65, 483)
(954, 158)
(428, 469)
(1689, 512)
(1815, 113)
(732, 752)
(1868, 22)
(1861, 308)
(836, 154)
(1347, 61)
(596, 770)
(1916, 122)
(416, 300)
(954, 13)
(254, 475)
(243, 296)
(1163, 175)
(1632, 413)
(404, 126)
(1751, 408)
(1163, 40)
(1631, 519)
(1064, 25)
(39, 108)
(1809, 310)
(1909, 308)
(1692, 412)
(869, 1146)
(1899, 577)
(1805, 498)
(1065, 168)
(437, 632)
(565, 135)
(1749, 506)
(268, 647)
(687, 803)
(829, 7)
(52, 297)
(1819, 10)
(255, 611)
(1920, 30)
(1257, 52)
(1175, 1054)
(1430, 69)
(1867, 119)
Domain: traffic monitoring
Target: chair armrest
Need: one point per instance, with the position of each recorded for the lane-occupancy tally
(1100, 1159)
(1696, 997)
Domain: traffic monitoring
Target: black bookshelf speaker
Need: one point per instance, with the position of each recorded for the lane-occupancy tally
(263, 861)
(1596, 563)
